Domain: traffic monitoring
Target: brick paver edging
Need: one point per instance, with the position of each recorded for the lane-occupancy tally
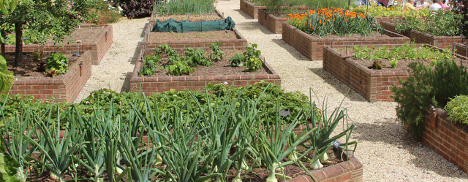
(250, 8)
(98, 47)
(371, 84)
(426, 38)
(351, 170)
(148, 85)
(312, 47)
(462, 49)
(450, 140)
(64, 88)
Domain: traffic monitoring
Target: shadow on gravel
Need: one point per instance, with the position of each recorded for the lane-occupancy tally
(245, 15)
(393, 133)
(340, 87)
(296, 54)
(126, 83)
(250, 26)
(142, 35)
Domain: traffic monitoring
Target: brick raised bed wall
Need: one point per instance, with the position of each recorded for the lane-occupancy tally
(312, 47)
(271, 22)
(250, 8)
(372, 85)
(98, 47)
(64, 88)
(461, 49)
(351, 170)
(425, 38)
(447, 139)
(148, 85)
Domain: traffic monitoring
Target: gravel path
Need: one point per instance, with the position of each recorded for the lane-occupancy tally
(387, 151)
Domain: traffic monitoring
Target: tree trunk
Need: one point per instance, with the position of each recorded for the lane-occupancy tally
(19, 43)
(4, 36)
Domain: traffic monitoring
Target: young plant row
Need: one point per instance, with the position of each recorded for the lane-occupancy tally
(178, 65)
(441, 23)
(396, 53)
(224, 140)
(381, 11)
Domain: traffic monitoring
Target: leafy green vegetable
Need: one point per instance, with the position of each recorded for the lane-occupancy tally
(57, 64)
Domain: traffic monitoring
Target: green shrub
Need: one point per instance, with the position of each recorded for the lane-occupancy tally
(102, 13)
(137, 8)
(179, 7)
(457, 109)
(428, 85)
(439, 24)
(57, 64)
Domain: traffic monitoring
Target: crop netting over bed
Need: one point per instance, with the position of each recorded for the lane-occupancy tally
(172, 25)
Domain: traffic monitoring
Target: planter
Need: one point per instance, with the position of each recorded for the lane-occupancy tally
(151, 84)
(312, 47)
(64, 88)
(250, 8)
(461, 48)
(381, 19)
(426, 38)
(97, 45)
(271, 22)
(373, 85)
(446, 138)
(193, 18)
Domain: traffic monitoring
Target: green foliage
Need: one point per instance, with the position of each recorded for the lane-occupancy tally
(102, 13)
(179, 7)
(405, 52)
(253, 64)
(57, 64)
(136, 8)
(178, 68)
(376, 65)
(251, 52)
(6, 77)
(457, 109)
(149, 65)
(427, 85)
(393, 63)
(237, 60)
(381, 11)
(439, 24)
(197, 57)
(38, 55)
(216, 53)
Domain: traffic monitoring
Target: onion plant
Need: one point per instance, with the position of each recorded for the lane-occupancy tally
(179, 7)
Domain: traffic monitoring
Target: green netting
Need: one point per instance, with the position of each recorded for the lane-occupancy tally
(172, 25)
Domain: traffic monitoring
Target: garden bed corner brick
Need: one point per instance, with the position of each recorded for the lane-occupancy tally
(64, 88)
(250, 8)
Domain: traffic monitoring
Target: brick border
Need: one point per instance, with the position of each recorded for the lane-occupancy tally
(446, 138)
(271, 22)
(98, 47)
(64, 88)
(351, 170)
(312, 47)
(426, 38)
(461, 48)
(250, 8)
(372, 85)
(148, 85)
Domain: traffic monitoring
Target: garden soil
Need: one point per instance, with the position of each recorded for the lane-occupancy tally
(388, 152)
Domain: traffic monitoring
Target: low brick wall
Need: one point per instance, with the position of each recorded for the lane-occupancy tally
(312, 47)
(250, 8)
(446, 138)
(461, 49)
(351, 170)
(271, 22)
(64, 88)
(387, 19)
(148, 85)
(425, 38)
(98, 47)
(371, 84)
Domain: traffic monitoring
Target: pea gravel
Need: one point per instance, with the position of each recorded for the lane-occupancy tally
(386, 149)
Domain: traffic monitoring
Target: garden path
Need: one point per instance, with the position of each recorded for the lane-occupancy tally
(386, 149)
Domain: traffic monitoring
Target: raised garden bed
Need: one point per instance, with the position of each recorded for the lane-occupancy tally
(161, 82)
(270, 21)
(446, 138)
(193, 18)
(426, 38)
(374, 85)
(250, 8)
(312, 46)
(62, 88)
(461, 48)
(95, 38)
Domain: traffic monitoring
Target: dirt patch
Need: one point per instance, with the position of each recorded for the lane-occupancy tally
(221, 67)
(87, 35)
(29, 68)
(192, 36)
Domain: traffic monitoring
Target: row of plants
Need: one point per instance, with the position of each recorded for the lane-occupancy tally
(381, 11)
(435, 84)
(177, 65)
(405, 52)
(214, 138)
(338, 21)
(441, 23)
(179, 7)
